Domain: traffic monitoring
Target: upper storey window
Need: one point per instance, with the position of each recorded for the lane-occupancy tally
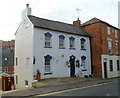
(72, 42)
(82, 43)
(116, 34)
(109, 33)
(61, 42)
(48, 37)
(109, 46)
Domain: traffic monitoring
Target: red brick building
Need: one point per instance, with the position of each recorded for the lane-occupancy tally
(6, 64)
(7, 56)
(105, 47)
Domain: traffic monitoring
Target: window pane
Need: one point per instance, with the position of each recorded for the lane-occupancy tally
(118, 65)
(83, 63)
(109, 46)
(72, 44)
(47, 65)
(47, 68)
(111, 65)
(16, 61)
(116, 36)
(108, 30)
(61, 42)
(47, 41)
(26, 82)
(82, 45)
(116, 47)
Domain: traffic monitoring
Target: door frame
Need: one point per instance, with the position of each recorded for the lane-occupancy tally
(72, 66)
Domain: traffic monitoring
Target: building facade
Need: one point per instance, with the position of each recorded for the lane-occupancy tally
(7, 57)
(49, 49)
(105, 46)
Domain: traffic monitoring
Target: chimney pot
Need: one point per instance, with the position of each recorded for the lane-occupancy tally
(27, 5)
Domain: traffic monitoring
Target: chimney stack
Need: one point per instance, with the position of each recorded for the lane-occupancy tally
(77, 23)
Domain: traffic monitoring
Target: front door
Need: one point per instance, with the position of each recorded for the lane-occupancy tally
(72, 67)
(105, 70)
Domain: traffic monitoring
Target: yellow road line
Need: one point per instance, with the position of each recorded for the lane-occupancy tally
(53, 93)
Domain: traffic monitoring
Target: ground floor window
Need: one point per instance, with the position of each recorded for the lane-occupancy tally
(16, 79)
(26, 82)
(111, 65)
(83, 63)
(48, 63)
(118, 65)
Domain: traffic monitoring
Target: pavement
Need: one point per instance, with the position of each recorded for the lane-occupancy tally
(50, 85)
(60, 81)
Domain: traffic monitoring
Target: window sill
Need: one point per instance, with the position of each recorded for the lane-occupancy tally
(83, 49)
(61, 47)
(72, 48)
(47, 73)
(47, 47)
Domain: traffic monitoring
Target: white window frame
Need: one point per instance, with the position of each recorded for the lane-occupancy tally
(26, 83)
(109, 33)
(82, 44)
(116, 34)
(110, 46)
(117, 48)
(47, 41)
(72, 44)
(83, 63)
(61, 42)
(47, 65)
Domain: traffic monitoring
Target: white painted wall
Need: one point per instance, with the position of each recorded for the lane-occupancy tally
(29, 43)
(113, 73)
(58, 63)
(23, 50)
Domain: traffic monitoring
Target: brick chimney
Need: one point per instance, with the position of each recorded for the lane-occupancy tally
(77, 23)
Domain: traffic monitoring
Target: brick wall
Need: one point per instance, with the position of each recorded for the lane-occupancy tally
(10, 69)
(96, 47)
(99, 44)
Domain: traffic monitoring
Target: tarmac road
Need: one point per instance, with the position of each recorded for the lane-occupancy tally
(104, 89)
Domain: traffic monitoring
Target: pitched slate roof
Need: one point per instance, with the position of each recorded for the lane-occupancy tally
(96, 20)
(57, 26)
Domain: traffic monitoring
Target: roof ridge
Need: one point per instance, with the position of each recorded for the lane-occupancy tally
(52, 20)
(56, 25)
(93, 21)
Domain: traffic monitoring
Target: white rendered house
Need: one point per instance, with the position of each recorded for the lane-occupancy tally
(53, 48)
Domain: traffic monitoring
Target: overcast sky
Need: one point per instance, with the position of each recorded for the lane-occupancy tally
(58, 10)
